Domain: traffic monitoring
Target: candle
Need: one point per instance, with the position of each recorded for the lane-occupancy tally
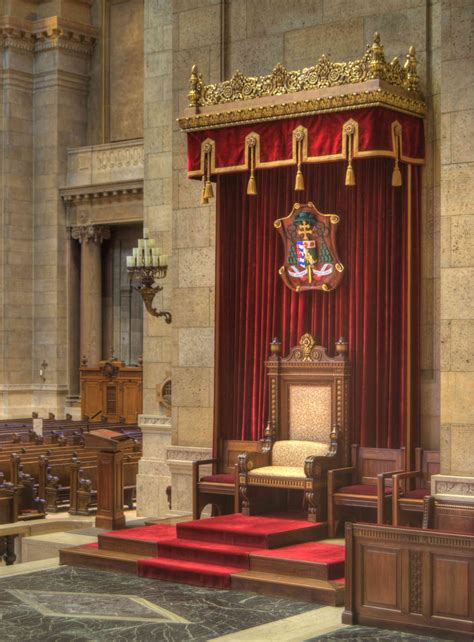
(135, 252)
(130, 261)
(141, 244)
(151, 242)
(154, 260)
(145, 232)
(147, 259)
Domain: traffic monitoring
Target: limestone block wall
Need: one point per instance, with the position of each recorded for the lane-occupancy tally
(154, 475)
(457, 238)
(44, 92)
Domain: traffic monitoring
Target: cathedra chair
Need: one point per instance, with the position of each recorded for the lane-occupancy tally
(306, 435)
(411, 488)
(364, 487)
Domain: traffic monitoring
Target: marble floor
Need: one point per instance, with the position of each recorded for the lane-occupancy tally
(60, 603)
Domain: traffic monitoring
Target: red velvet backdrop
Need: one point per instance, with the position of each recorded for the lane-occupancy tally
(369, 308)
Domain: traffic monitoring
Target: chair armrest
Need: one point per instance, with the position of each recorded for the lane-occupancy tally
(247, 461)
(336, 475)
(412, 474)
(382, 477)
(197, 464)
(317, 465)
(204, 462)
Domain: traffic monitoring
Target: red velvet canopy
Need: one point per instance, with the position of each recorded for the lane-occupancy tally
(375, 135)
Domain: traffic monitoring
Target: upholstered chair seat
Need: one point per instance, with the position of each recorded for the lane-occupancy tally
(219, 478)
(287, 459)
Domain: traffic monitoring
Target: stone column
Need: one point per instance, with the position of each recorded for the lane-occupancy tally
(90, 237)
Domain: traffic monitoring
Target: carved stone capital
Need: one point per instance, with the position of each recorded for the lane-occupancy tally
(93, 233)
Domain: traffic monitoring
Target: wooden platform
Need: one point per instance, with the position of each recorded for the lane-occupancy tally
(238, 567)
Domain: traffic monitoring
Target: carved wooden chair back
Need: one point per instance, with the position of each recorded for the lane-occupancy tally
(370, 462)
(429, 463)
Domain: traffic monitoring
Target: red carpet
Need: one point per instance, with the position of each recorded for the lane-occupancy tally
(208, 552)
(331, 555)
(210, 575)
(205, 552)
(258, 532)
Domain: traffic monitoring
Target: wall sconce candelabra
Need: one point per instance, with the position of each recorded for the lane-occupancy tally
(145, 266)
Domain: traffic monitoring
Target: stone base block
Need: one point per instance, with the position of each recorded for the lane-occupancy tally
(453, 488)
(180, 461)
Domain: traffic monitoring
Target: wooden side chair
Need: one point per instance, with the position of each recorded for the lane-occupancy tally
(411, 488)
(366, 484)
(218, 488)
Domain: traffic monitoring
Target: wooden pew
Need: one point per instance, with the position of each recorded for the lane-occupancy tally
(83, 484)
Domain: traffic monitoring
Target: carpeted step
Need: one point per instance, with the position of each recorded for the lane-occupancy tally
(311, 559)
(196, 573)
(205, 552)
(258, 532)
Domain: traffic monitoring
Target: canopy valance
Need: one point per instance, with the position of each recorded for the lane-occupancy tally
(329, 112)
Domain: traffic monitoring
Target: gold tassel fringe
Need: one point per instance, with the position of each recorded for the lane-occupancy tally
(252, 186)
(204, 200)
(350, 176)
(299, 182)
(396, 176)
(208, 191)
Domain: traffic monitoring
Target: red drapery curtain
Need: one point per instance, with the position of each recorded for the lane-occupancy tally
(376, 306)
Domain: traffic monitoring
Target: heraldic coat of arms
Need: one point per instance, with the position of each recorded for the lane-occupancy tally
(311, 260)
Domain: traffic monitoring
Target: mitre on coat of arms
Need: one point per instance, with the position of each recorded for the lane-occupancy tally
(311, 260)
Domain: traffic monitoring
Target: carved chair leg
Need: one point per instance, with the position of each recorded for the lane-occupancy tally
(331, 518)
(243, 492)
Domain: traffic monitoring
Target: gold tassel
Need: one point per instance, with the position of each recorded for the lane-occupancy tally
(299, 182)
(350, 176)
(204, 200)
(396, 176)
(252, 184)
(208, 191)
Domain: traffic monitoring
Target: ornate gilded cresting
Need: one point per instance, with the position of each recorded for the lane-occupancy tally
(324, 74)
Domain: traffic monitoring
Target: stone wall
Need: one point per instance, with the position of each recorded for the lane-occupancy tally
(44, 94)
(153, 474)
(457, 238)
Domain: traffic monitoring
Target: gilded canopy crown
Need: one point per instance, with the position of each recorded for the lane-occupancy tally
(325, 73)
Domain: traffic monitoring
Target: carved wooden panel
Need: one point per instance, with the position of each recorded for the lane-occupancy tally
(378, 564)
(451, 598)
(410, 579)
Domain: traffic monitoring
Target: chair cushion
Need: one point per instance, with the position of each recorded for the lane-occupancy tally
(418, 493)
(220, 478)
(293, 453)
(278, 471)
(362, 489)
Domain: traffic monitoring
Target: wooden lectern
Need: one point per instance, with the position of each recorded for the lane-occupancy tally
(110, 446)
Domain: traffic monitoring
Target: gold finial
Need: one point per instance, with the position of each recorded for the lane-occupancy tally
(410, 68)
(195, 87)
(377, 58)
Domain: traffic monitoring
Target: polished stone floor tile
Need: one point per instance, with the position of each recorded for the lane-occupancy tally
(71, 604)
